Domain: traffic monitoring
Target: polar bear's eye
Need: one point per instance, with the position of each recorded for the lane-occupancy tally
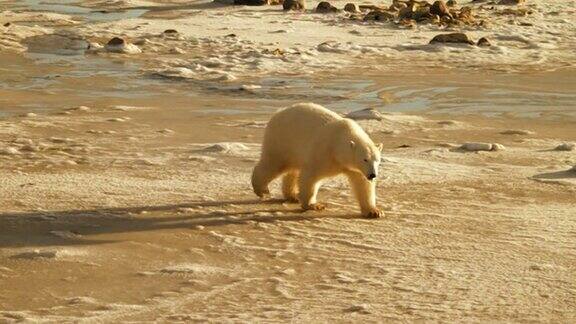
(365, 160)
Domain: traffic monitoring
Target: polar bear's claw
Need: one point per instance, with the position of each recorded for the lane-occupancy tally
(315, 206)
(376, 213)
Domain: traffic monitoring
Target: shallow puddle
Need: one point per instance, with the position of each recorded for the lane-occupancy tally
(87, 77)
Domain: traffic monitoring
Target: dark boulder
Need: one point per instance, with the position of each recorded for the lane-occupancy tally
(454, 38)
(250, 2)
(326, 7)
(483, 42)
(296, 5)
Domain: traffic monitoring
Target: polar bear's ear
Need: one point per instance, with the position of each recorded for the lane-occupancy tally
(380, 146)
(352, 144)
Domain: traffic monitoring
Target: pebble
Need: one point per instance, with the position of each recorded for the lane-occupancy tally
(200, 158)
(250, 87)
(35, 255)
(565, 147)
(365, 114)
(80, 108)
(362, 308)
(498, 147)
(177, 50)
(477, 146)
(288, 272)
(119, 45)
(60, 140)
(94, 47)
(483, 42)
(81, 300)
(118, 120)
(517, 132)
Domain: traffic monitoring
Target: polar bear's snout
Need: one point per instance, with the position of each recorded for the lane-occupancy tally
(372, 171)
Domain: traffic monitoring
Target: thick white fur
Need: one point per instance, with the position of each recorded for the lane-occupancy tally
(307, 143)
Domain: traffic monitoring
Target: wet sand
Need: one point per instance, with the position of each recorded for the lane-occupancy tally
(126, 197)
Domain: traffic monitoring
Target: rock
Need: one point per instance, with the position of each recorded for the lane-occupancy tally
(94, 47)
(407, 12)
(517, 132)
(510, 2)
(475, 147)
(35, 254)
(363, 309)
(326, 7)
(116, 41)
(170, 32)
(379, 15)
(455, 38)
(422, 13)
(81, 301)
(565, 147)
(6, 24)
(119, 45)
(498, 147)
(451, 3)
(225, 147)
(177, 50)
(250, 87)
(294, 5)
(365, 114)
(250, 2)
(201, 158)
(439, 8)
(483, 42)
(117, 120)
(351, 7)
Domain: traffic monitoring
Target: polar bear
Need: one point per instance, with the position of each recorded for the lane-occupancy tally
(307, 143)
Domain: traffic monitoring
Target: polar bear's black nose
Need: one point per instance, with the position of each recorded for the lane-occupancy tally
(371, 176)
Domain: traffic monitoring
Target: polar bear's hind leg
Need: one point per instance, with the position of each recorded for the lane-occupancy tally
(290, 186)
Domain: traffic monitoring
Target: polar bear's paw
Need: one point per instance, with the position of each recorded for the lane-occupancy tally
(263, 193)
(373, 213)
(315, 206)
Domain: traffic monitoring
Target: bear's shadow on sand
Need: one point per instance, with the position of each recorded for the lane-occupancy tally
(37, 229)
(566, 174)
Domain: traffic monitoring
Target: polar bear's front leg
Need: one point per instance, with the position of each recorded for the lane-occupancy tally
(309, 183)
(264, 172)
(365, 192)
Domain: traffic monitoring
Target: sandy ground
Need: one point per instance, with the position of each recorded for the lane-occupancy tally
(108, 215)
(126, 197)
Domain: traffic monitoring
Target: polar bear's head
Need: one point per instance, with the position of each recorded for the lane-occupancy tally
(365, 158)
